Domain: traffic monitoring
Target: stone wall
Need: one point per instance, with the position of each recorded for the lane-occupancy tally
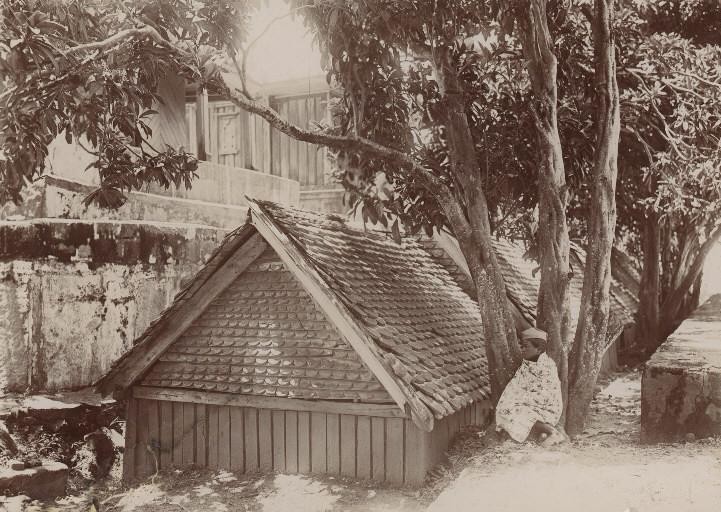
(681, 384)
(74, 295)
(215, 183)
(78, 284)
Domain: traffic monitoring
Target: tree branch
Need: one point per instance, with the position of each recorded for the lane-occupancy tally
(339, 142)
(8, 92)
(130, 33)
(700, 79)
(241, 73)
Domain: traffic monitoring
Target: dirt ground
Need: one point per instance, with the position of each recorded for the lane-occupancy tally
(223, 491)
(606, 470)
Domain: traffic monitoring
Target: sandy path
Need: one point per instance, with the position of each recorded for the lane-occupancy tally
(605, 471)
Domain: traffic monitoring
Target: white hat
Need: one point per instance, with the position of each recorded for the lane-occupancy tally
(533, 333)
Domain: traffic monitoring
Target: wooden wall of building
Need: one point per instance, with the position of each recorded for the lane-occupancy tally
(239, 139)
(169, 125)
(164, 434)
(299, 161)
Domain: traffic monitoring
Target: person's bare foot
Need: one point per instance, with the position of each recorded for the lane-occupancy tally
(555, 438)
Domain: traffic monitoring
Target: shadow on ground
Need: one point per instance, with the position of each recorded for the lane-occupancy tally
(207, 491)
(604, 470)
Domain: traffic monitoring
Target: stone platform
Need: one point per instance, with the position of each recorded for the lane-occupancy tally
(43, 482)
(681, 384)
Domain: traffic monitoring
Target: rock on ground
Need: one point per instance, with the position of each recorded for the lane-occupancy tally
(41, 482)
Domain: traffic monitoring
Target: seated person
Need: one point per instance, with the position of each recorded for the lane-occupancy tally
(532, 401)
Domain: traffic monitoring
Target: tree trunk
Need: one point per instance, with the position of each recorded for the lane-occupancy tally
(590, 342)
(648, 317)
(663, 308)
(682, 300)
(502, 350)
(553, 301)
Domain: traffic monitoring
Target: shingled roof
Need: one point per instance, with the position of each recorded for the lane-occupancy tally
(519, 289)
(414, 329)
(523, 281)
(264, 335)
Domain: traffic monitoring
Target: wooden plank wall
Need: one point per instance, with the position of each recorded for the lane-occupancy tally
(239, 139)
(245, 439)
(295, 160)
(236, 138)
(230, 135)
(479, 413)
(191, 141)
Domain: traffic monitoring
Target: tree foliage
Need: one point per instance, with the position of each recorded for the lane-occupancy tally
(381, 52)
(88, 70)
(669, 162)
(485, 118)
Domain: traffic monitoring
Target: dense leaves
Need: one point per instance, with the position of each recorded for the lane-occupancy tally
(668, 75)
(89, 70)
(670, 177)
(678, 102)
(381, 53)
(696, 20)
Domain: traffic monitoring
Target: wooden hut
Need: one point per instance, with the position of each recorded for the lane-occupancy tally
(306, 345)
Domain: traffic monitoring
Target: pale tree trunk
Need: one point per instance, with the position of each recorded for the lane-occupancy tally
(475, 241)
(680, 301)
(590, 342)
(553, 302)
(663, 308)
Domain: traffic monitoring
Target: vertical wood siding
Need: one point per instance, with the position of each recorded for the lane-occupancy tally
(236, 138)
(246, 439)
(290, 158)
(239, 139)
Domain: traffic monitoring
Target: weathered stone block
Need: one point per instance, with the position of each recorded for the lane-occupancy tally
(42, 482)
(681, 384)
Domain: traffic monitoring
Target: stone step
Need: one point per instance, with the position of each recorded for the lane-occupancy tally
(42, 482)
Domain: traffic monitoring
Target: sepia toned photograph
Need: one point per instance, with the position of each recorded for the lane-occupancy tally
(360, 255)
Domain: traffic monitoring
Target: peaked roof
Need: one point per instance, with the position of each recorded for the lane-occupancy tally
(265, 336)
(404, 315)
(519, 290)
(523, 281)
